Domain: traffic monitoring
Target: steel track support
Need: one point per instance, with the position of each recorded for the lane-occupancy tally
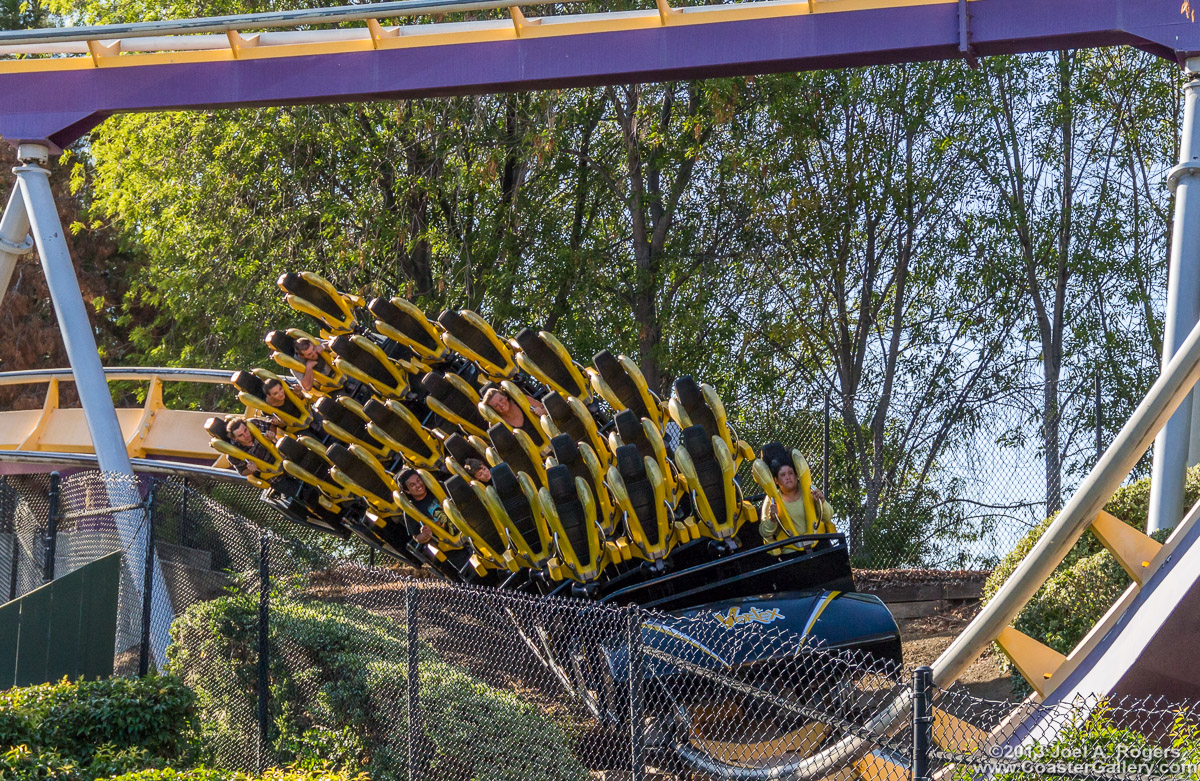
(14, 238)
(33, 182)
(1183, 310)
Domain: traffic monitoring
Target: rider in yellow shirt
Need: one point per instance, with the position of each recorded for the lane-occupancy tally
(789, 487)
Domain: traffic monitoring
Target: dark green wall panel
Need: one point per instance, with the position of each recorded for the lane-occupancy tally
(66, 627)
(10, 625)
(33, 636)
(98, 617)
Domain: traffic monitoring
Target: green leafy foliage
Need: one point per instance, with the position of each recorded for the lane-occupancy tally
(322, 773)
(338, 684)
(1089, 580)
(954, 253)
(1097, 740)
(94, 729)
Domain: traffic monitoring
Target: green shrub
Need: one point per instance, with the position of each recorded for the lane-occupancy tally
(1088, 581)
(94, 729)
(205, 774)
(1096, 741)
(338, 687)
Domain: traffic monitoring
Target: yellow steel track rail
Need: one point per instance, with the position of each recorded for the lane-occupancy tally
(119, 46)
(151, 431)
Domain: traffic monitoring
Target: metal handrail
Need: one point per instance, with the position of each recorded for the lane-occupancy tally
(238, 22)
(145, 465)
(116, 373)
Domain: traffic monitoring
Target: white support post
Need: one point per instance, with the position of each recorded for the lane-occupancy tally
(1183, 310)
(1194, 439)
(33, 181)
(14, 238)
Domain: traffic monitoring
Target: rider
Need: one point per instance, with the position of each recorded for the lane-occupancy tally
(509, 411)
(310, 355)
(478, 470)
(238, 428)
(789, 488)
(414, 488)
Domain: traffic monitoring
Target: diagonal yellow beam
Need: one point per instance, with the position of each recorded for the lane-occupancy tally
(1132, 549)
(1036, 662)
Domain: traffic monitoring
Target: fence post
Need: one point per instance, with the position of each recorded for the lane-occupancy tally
(11, 515)
(51, 539)
(16, 562)
(825, 451)
(264, 595)
(922, 722)
(147, 583)
(415, 728)
(637, 721)
(185, 532)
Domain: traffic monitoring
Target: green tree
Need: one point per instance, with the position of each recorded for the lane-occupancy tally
(871, 291)
(1067, 153)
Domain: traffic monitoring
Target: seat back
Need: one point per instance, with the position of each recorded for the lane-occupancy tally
(516, 449)
(521, 506)
(581, 460)
(643, 504)
(308, 465)
(629, 429)
(217, 428)
(366, 480)
(293, 451)
(281, 343)
(453, 403)
(315, 296)
(472, 337)
(641, 433)
(343, 422)
(545, 358)
(473, 512)
(394, 421)
(572, 418)
(712, 482)
(694, 404)
(402, 322)
(691, 401)
(571, 514)
(249, 384)
(460, 449)
(708, 466)
(622, 385)
(566, 452)
(570, 511)
(366, 362)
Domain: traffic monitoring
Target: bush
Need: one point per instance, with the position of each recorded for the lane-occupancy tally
(337, 691)
(1097, 741)
(206, 774)
(94, 729)
(1088, 581)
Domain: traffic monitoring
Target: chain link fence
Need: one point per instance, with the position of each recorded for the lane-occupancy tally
(300, 652)
(941, 502)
